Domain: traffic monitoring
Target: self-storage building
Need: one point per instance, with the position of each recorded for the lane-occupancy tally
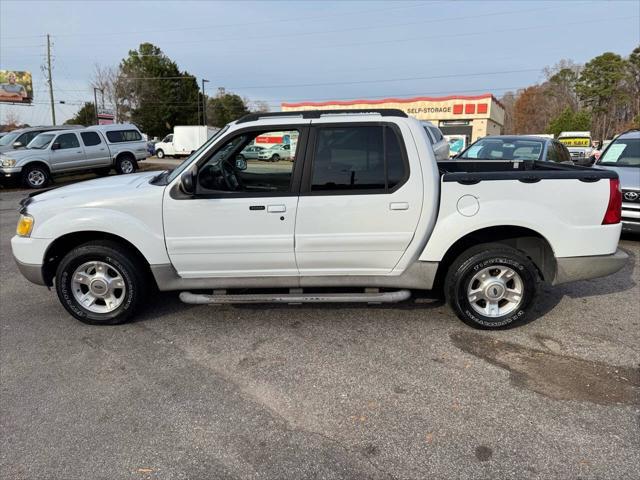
(473, 116)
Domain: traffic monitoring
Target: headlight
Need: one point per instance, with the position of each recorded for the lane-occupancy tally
(8, 162)
(25, 225)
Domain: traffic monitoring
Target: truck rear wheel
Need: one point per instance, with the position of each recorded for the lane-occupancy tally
(126, 164)
(491, 286)
(101, 283)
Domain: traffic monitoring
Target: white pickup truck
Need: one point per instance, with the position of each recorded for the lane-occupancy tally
(363, 214)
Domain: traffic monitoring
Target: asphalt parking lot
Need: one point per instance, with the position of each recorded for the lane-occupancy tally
(293, 392)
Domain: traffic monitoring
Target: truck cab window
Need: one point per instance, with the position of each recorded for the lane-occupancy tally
(67, 140)
(357, 158)
(238, 166)
(90, 139)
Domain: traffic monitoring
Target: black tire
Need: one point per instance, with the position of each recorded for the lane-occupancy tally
(35, 176)
(124, 261)
(102, 172)
(126, 164)
(489, 258)
(160, 153)
(275, 157)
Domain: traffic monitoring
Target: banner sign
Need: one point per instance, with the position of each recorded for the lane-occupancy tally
(16, 86)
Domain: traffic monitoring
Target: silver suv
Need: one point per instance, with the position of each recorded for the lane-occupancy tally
(439, 144)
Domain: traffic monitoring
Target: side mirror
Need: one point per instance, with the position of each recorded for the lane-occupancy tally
(55, 146)
(188, 183)
(17, 145)
(241, 163)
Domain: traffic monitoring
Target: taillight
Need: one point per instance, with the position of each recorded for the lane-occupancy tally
(614, 208)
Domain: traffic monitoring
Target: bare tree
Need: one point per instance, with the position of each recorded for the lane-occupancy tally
(108, 80)
(11, 120)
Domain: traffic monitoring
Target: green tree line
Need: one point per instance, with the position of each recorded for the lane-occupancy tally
(602, 96)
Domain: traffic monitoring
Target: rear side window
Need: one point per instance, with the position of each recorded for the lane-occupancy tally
(119, 136)
(90, 139)
(357, 158)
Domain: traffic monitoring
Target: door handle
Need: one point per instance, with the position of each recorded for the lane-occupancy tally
(276, 208)
(399, 206)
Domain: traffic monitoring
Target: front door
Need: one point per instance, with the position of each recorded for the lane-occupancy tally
(358, 207)
(240, 222)
(66, 153)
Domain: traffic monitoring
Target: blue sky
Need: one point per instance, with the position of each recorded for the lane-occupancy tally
(292, 51)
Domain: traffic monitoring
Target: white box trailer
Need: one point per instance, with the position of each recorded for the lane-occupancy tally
(184, 140)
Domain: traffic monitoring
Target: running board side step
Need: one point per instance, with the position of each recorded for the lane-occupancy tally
(377, 297)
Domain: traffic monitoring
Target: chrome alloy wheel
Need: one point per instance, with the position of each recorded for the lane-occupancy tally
(126, 166)
(36, 178)
(98, 287)
(495, 291)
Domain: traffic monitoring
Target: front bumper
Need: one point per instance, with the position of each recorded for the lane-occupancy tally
(10, 173)
(28, 254)
(570, 269)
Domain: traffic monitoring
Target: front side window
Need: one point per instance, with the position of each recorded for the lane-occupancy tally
(119, 136)
(357, 158)
(68, 140)
(90, 139)
(232, 170)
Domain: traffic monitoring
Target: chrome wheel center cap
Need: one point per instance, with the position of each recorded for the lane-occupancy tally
(99, 287)
(495, 290)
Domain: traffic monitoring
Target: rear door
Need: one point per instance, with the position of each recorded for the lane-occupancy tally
(95, 148)
(359, 206)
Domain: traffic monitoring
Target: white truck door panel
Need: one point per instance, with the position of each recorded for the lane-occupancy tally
(241, 221)
(354, 231)
(230, 236)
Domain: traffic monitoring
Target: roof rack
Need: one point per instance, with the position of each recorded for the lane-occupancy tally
(383, 112)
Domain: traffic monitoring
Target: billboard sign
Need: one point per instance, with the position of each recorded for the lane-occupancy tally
(16, 86)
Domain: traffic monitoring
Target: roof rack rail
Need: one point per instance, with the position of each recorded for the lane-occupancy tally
(383, 112)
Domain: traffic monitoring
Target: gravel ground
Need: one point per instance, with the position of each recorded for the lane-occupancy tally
(290, 392)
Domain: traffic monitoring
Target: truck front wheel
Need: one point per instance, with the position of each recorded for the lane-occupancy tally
(101, 283)
(491, 286)
(160, 153)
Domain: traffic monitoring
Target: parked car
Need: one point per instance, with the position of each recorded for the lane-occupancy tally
(517, 147)
(365, 208)
(580, 146)
(184, 140)
(251, 152)
(275, 153)
(439, 143)
(18, 139)
(622, 156)
(70, 151)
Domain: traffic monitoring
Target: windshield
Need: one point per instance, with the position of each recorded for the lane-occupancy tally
(41, 141)
(575, 141)
(187, 161)
(622, 153)
(8, 139)
(503, 149)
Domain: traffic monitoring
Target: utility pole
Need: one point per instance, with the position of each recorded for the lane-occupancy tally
(204, 103)
(95, 102)
(53, 108)
(198, 102)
